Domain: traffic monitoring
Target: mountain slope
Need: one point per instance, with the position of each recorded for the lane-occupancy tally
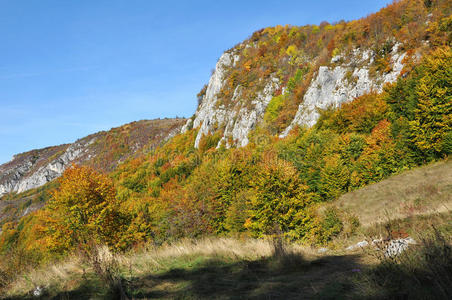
(296, 70)
(227, 267)
(103, 151)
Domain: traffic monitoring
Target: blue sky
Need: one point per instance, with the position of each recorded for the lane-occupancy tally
(71, 68)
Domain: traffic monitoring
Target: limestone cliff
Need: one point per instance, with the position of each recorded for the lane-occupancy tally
(344, 81)
(239, 117)
(341, 79)
(281, 76)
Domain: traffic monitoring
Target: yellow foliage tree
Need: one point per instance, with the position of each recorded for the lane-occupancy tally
(433, 116)
(83, 210)
(279, 201)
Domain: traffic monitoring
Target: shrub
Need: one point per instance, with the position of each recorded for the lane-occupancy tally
(447, 143)
(326, 226)
(106, 266)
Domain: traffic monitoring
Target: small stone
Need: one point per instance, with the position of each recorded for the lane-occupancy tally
(377, 241)
(361, 244)
(37, 292)
(322, 250)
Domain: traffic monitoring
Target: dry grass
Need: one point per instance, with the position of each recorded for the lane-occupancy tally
(421, 191)
(160, 259)
(59, 276)
(68, 275)
(423, 271)
(222, 268)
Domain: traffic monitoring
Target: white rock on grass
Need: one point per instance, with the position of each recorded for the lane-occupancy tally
(396, 247)
(358, 245)
(390, 249)
(37, 292)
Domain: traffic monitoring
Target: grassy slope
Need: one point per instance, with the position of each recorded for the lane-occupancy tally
(236, 268)
(421, 191)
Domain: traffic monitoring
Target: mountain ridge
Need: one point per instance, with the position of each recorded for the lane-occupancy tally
(103, 150)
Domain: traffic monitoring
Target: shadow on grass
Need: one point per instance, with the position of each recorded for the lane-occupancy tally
(270, 278)
(288, 277)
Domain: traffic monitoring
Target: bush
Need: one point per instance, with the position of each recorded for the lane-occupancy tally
(326, 226)
(107, 267)
(447, 143)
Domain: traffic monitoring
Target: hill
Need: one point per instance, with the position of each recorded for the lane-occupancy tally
(293, 120)
(26, 180)
(421, 191)
(103, 151)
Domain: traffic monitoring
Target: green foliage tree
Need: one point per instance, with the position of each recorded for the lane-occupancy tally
(273, 108)
(335, 178)
(433, 114)
(279, 200)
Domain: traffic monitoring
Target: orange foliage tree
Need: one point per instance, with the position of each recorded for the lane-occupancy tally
(83, 210)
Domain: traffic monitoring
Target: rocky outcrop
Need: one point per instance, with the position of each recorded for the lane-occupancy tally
(346, 77)
(241, 121)
(343, 82)
(54, 168)
(390, 248)
(12, 173)
(208, 115)
(236, 120)
(37, 168)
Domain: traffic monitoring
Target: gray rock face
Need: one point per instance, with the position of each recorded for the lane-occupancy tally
(54, 169)
(13, 172)
(237, 121)
(240, 122)
(333, 86)
(24, 177)
(208, 115)
(12, 176)
(346, 79)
